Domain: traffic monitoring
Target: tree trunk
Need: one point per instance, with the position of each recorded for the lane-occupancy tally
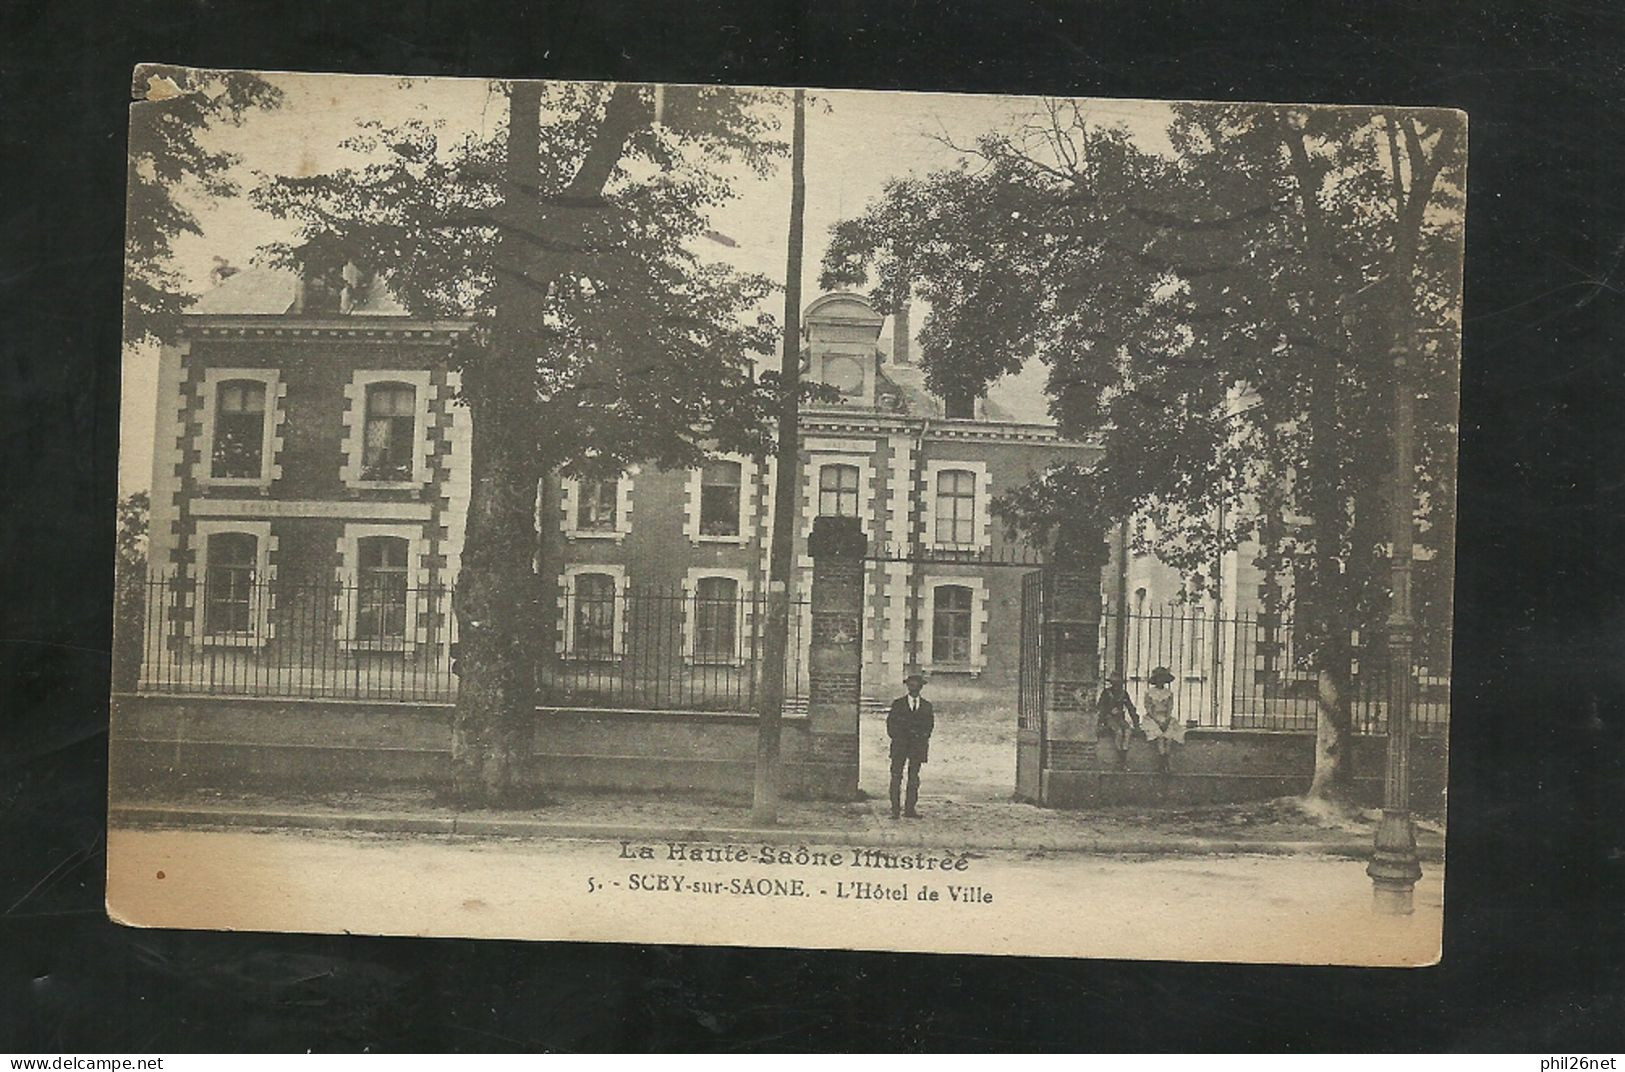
(497, 586)
(1328, 626)
(1334, 729)
(497, 611)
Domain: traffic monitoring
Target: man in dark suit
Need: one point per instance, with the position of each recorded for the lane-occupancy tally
(909, 725)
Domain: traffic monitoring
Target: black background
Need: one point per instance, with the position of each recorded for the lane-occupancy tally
(1535, 916)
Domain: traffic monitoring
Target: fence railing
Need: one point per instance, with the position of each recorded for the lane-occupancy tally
(384, 639)
(1247, 671)
(601, 645)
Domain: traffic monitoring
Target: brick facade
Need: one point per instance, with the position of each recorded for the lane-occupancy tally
(887, 439)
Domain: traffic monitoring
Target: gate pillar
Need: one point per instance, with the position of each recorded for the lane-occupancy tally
(835, 658)
(1071, 679)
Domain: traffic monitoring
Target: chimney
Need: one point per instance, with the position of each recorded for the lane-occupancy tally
(901, 335)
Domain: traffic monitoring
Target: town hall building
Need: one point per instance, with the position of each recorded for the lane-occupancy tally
(311, 480)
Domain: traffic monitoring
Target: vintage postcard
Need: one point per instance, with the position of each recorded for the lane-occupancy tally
(728, 515)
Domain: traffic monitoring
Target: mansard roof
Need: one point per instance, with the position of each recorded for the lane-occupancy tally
(275, 291)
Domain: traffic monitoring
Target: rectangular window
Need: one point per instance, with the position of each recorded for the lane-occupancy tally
(229, 584)
(838, 491)
(719, 498)
(950, 625)
(716, 619)
(956, 507)
(596, 505)
(592, 628)
(381, 595)
(239, 430)
(388, 447)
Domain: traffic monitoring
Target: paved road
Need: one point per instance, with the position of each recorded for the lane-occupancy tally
(1296, 908)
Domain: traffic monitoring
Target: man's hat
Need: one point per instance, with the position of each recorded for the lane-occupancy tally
(1161, 676)
(1115, 677)
(914, 675)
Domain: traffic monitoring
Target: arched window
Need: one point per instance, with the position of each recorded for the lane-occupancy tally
(956, 507)
(720, 483)
(229, 584)
(951, 625)
(382, 589)
(239, 430)
(592, 619)
(716, 619)
(387, 450)
(838, 491)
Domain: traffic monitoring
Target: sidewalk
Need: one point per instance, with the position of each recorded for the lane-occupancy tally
(1272, 827)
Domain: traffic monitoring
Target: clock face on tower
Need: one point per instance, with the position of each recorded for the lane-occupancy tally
(844, 374)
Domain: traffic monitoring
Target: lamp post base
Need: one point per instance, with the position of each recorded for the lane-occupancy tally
(1392, 900)
(1395, 866)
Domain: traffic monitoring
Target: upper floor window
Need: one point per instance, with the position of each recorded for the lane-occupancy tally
(381, 595)
(229, 583)
(720, 489)
(838, 491)
(956, 507)
(388, 415)
(592, 619)
(951, 625)
(389, 448)
(598, 505)
(239, 430)
(716, 619)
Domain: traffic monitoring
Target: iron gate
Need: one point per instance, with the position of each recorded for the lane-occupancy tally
(1030, 691)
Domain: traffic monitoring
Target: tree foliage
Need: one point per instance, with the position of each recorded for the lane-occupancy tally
(1224, 316)
(599, 337)
(644, 351)
(170, 163)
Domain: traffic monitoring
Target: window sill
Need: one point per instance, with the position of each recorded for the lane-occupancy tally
(736, 539)
(261, 482)
(953, 669)
(386, 485)
(589, 534)
(228, 640)
(375, 647)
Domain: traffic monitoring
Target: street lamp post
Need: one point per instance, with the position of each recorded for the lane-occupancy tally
(1395, 866)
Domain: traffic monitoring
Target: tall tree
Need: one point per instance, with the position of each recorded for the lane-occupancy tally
(1225, 315)
(130, 589)
(170, 165)
(600, 338)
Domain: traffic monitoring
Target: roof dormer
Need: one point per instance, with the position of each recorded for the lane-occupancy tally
(841, 331)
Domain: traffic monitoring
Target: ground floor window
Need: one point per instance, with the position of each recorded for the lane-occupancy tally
(229, 583)
(951, 625)
(592, 629)
(716, 619)
(382, 589)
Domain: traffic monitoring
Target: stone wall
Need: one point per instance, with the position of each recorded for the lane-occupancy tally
(167, 743)
(1217, 766)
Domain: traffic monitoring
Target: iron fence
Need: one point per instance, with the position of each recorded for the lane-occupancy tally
(385, 639)
(1248, 671)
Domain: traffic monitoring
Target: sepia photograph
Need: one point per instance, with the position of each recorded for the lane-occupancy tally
(726, 515)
